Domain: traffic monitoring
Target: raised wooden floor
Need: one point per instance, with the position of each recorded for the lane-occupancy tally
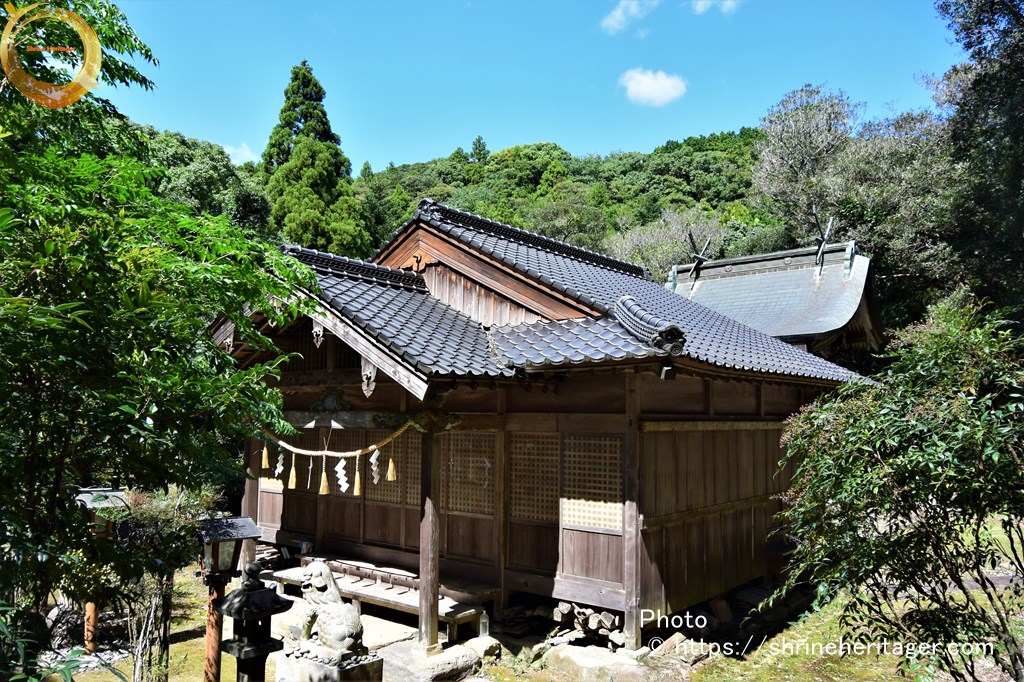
(388, 588)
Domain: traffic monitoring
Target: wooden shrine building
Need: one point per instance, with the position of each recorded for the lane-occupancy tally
(581, 432)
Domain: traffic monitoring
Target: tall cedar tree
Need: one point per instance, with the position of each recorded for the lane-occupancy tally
(313, 202)
(309, 177)
(303, 113)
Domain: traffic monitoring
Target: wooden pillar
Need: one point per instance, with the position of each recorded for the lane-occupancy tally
(251, 498)
(91, 620)
(500, 515)
(430, 542)
(214, 629)
(632, 543)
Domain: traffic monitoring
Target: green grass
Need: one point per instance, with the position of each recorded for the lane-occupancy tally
(187, 656)
(822, 627)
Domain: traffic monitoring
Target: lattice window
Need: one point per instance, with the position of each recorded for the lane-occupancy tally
(385, 490)
(343, 440)
(411, 443)
(592, 481)
(469, 472)
(534, 476)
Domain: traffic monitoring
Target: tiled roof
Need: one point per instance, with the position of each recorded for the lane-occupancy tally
(588, 339)
(395, 307)
(599, 281)
(784, 294)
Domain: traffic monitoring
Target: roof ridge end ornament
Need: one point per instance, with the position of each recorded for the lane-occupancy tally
(851, 253)
(430, 209)
(822, 238)
(648, 327)
(699, 257)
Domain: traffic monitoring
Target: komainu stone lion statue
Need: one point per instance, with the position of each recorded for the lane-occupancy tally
(331, 638)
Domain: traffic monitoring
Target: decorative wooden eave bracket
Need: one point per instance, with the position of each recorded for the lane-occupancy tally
(369, 375)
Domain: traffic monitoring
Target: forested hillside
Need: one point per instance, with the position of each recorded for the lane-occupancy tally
(917, 190)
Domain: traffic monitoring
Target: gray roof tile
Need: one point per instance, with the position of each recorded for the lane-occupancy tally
(395, 307)
(566, 342)
(599, 281)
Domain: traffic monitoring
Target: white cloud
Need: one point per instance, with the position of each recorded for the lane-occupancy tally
(726, 6)
(652, 88)
(625, 12)
(241, 153)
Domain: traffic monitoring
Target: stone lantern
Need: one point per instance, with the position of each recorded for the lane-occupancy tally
(252, 606)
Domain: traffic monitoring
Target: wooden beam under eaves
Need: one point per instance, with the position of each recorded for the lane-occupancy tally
(404, 374)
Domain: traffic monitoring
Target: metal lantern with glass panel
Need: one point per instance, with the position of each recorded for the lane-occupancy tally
(222, 544)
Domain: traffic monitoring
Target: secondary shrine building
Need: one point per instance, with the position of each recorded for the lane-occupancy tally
(581, 432)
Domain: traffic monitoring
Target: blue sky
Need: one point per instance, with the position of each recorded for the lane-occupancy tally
(410, 81)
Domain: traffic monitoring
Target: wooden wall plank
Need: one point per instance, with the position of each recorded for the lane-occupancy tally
(674, 569)
(270, 508)
(299, 512)
(533, 546)
(382, 523)
(592, 555)
(730, 548)
(342, 516)
(652, 581)
(712, 534)
(721, 459)
(759, 465)
(745, 464)
(693, 539)
(683, 395)
(490, 273)
(470, 537)
(734, 398)
(713, 582)
(780, 400)
(669, 488)
(470, 298)
(411, 532)
(650, 459)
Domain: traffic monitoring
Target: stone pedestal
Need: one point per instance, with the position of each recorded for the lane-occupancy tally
(364, 668)
(405, 663)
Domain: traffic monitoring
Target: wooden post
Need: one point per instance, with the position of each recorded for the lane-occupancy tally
(251, 496)
(632, 543)
(91, 618)
(430, 546)
(214, 629)
(500, 516)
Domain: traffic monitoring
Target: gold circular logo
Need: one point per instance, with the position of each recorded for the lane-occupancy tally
(48, 94)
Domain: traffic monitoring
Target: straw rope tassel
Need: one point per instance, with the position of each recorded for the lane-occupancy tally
(291, 475)
(324, 487)
(266, 456)
(391, 475)
(358, 490)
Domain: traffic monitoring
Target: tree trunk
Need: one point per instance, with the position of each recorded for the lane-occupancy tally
(163, 641)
